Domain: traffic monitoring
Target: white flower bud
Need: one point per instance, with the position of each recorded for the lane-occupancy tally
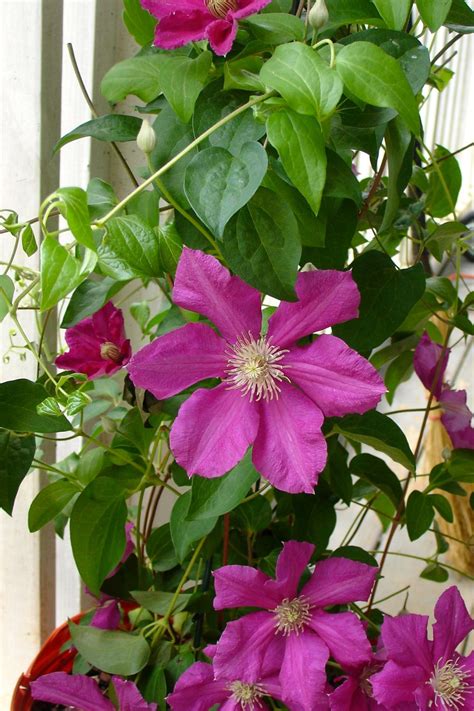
(318, 15)
(146, 139)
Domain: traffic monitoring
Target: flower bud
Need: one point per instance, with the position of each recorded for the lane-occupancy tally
(146, 139)
(318, 15)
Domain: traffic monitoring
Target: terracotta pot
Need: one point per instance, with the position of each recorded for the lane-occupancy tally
(51, 659)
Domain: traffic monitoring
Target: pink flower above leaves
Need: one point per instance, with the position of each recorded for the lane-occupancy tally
(421, 674)
(274, 394)
(97, 345)
(430, 365)
(293, 624)
(194, 20)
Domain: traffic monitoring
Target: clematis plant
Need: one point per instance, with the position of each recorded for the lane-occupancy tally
(220, 354)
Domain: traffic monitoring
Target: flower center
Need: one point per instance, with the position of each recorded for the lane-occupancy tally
(247, 695)
(450, 685)
(254, 368)
(220, 8)
(292, 615)
(109, 351)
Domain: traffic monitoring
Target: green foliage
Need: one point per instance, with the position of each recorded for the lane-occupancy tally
(61, 273)
(138, 21)
(129, 249)
(444, 183)
(50, 502)
(114, 652)
(184, 532)
(16, 456)
(139, 76)
(182, 80)
(393, 12)
(434, 14)
(7, 289)
(19, 400)
(112, 127)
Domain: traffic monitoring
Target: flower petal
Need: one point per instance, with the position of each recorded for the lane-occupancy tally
(221, 35)
(161, 8)
(243, 646)
(108, 324)
(303, 671)
(291, 565)
(405, 640)
(243, 586)
(345, 636)
(197, 690)
(179, 359)
(337, 581)
(202, 284)
(290, 450)
(213, 430)
(349, 697)
(76, 690)
(335, 377)
(453, 624)
(396, 685)
(324, 299)
(129, 697)
(107, 616)
(425, 361)
(457, 417)
(182, 27)
(248, 7)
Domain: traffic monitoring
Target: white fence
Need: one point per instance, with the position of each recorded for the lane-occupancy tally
(40, 100)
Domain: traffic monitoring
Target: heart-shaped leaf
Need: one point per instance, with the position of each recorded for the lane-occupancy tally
(217, 184)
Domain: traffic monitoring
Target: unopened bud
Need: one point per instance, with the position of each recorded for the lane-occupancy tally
(146, 139)
(318, 15)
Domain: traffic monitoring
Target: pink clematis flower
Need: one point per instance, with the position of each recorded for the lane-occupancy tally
(274, 394)
(198, 689)
(456, 416)
(293, 623)
(193, 20)
(81, 692)
(355, 693)
(97, 345)
(421, 675)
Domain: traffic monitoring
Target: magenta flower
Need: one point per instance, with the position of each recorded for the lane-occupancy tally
(456, 416)
(198, 689)
(97, 345)
(82, 692)
(355, 693)
(293, 623)
(193, 20)
(274, 394)
(421, 675)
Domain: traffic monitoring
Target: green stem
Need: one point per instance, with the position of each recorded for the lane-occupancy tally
(332, 50)
(425, 560)
(181, 154)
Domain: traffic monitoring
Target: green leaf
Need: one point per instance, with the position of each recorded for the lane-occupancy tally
(276, 27)
(170, 246)
(101, 198)
(50, 502)
(160, 549)
(444, 237)
(419, 514)
(182, 79)
(304, 80)
(460, 17)
(73, 207)
(253, 516)
(445, 179)
(138, 22)
(355, 553)
(16, 456)
(138, 75)
(393, 12)
(215, 497)
(315, 519)
(111, 127)
(300, 144)
(381, 433)
(433, 13)
(442, 506)
(98, 531)
(153, 686)
(461, 465)
(416, 63)
(129, 249)
(435, 572)
(261, 245)
(50, 406)
(399, 370)
(400, 146)
(218, 184)
(28, 241)
(387, 296)
(88, 298)
(375, 471)
(348, 12)
(61, 273)
(18, 401)
(243, 74)
(7, 289)
(340, 180)
(159, 602)
(113, 652)
(337, 472)
(372, 75)
(214, 105)
(183, 532)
